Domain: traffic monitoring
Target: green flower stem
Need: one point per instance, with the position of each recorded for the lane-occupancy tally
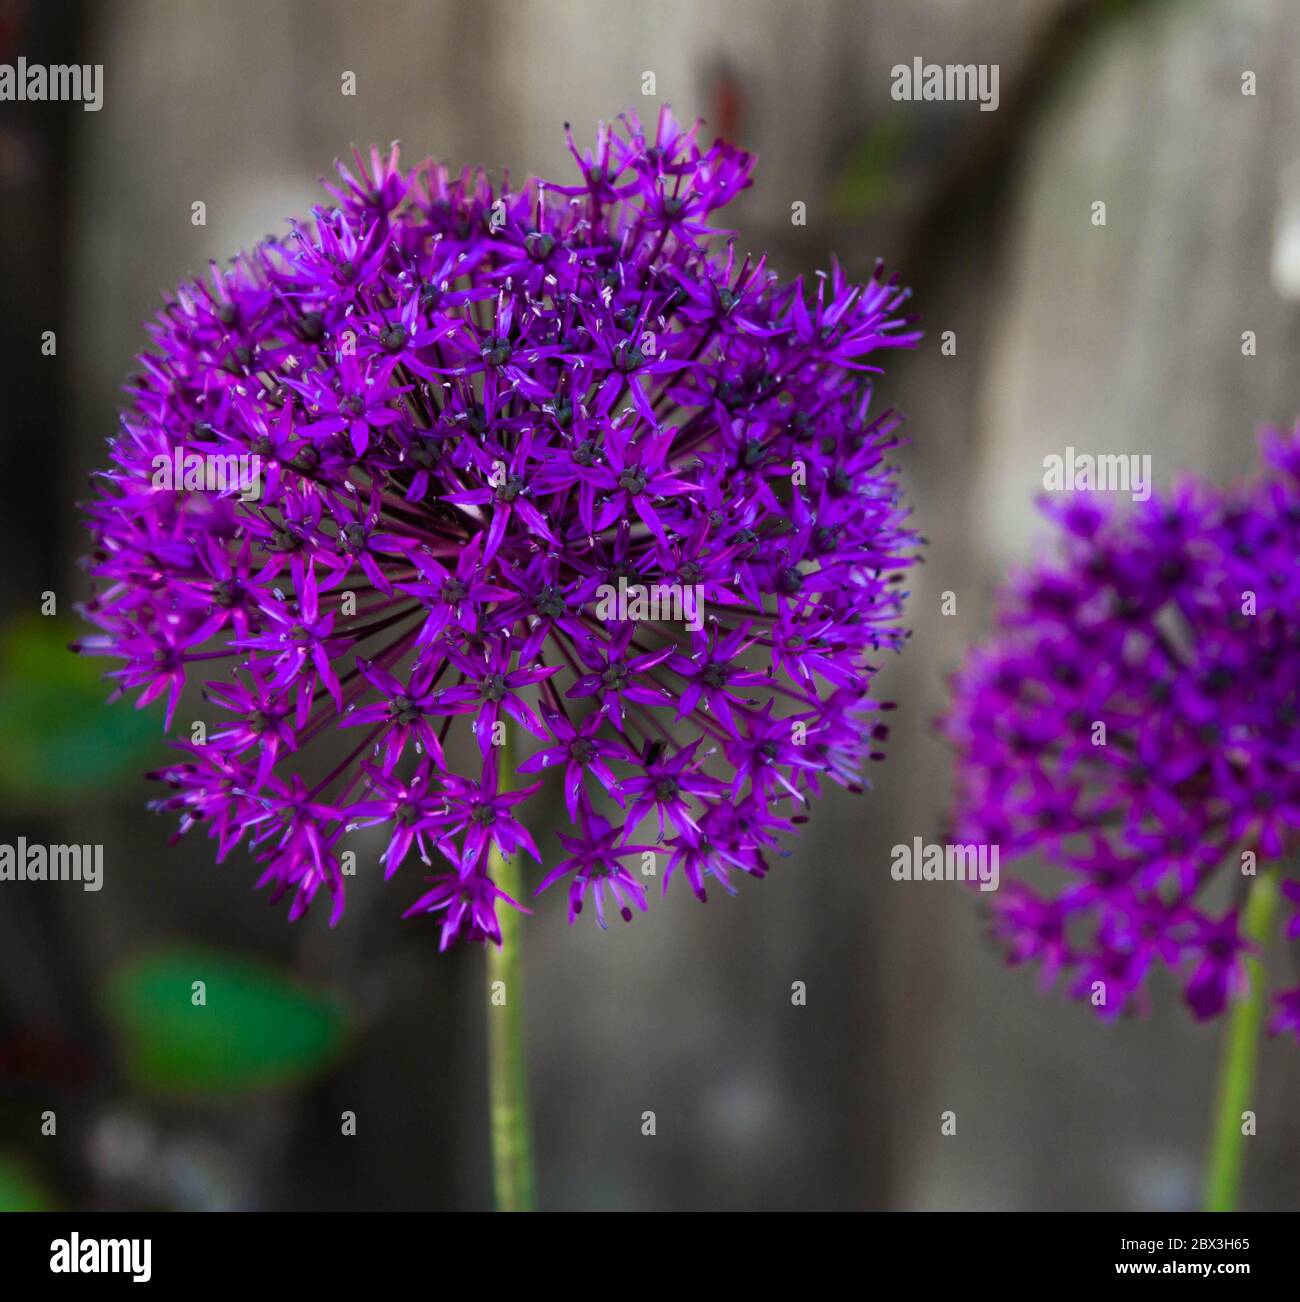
(1240, 1053)
(512, 1137)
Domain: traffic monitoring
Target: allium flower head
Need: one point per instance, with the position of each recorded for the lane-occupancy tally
(1135, 723)
(478, 412)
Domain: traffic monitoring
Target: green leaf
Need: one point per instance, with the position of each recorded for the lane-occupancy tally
(59, 741)
(871, 176)
(256, 1028)
(20, 1190)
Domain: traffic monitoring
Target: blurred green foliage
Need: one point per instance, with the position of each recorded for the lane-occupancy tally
(20, 1190)
(871, 178)
(59, 741)
(257, 1028)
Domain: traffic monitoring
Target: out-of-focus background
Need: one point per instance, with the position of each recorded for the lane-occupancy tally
(1123, 337)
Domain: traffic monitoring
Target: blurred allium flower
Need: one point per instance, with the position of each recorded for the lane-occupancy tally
(473, 409)
(1177, 627)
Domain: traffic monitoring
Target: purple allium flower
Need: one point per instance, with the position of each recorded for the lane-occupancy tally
(477, 412)
(1135, 724)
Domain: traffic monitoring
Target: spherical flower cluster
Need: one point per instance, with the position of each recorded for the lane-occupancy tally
(1135, 723)
(475, 414)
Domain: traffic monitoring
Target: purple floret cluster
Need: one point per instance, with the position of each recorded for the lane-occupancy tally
(1136, 726)
(474, 409)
